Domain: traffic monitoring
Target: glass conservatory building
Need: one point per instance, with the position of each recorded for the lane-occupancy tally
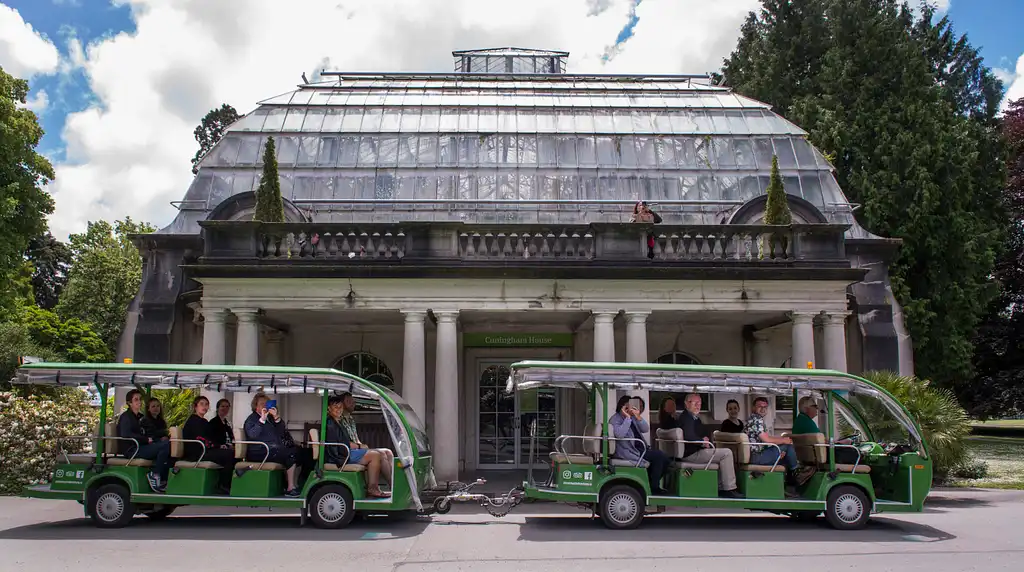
(442, 225)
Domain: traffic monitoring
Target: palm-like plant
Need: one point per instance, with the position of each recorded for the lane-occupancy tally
(944, 423)
(177, 404)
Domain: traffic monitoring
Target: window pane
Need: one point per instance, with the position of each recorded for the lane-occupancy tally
(368, 152)
(275, 119)
(546, 152)
(642, 121)
(410, 119)
(449, 119)
(784, 150)
(527, 149)
(626, 147)
(607, 153)
(488, 150)
(508, 150)
(488, 120)
(566, 151)
(427, 154)
(603, 121)
(584, 120)
(430, 119)
(744, 153)
(586, 153)
(526, 120)
(308, 147)
(287, 149)
(407, 150)
(293, 122)
(724, 153)
(372, 117)
(546, 121)
(249, 149)
(327, 152)
(348, 155)
(392, 119)
(468, 150)
(426, 187)
(645, 152)
(469, 119)
(763, 153)
(563, 120)
(665, 152)
(314, 119)
(384, 186)
(485, 186)
(622, 120)
(804, 154)
(756, 123)
(352, 120)
(507, 120)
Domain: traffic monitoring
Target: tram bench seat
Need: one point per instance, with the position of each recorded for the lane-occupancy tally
(78, 458)
(347, 468)
(739, 444)
(593, 448)
(240, 450)
(178, 452)
(115, 446)
(683, 465)
(128, 462)
(573, 458)
(809, 452)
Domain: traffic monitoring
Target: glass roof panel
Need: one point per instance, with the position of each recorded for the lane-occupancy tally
(251, 122)
(302, 97)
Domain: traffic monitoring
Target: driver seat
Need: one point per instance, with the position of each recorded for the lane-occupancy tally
(810, 452)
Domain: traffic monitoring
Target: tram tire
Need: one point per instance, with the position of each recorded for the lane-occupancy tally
(621, 507)
(847, 508)
(160, 513)
(110, 506)
(331, 506)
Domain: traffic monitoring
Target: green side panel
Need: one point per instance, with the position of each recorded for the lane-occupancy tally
(133, 477)
(258, 484)
(768, 486)
(820, 484)
(222, 500)
(69, 477)
(556, 495)
(746, 504)
(909, 484)
(575, 478)
(636, 476)
(703, 484)
(194, 482)
(45, 492)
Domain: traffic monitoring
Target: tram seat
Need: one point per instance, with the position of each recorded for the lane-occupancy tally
(178, 452)
(115, 446)
(739, 444)
(314, 436)
(240, 450)
(809, 453)
(593, 447)
(668, 444)
(82, 458)
(574, 458)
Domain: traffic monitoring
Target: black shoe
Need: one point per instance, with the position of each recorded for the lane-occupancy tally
(292, 492)
(658, 492)
(731, 494)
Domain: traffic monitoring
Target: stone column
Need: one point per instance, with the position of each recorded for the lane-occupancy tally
(803, 339)
(761, 356)
(214, 333)
(247, 352)
(275, 347)
(414, 362)
(834, 325)
(604, 351)
(636, 352)
(446, 398)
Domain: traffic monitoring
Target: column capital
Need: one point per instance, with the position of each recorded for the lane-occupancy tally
(414, 316)
(246, 314)
(275, 336)
(604, 316)
(802, 317)
(637, 316)
(834, 318)
(215, 315)
(760, 336)
(446, 315)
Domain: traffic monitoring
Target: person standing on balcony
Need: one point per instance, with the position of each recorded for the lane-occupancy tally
(643, 214)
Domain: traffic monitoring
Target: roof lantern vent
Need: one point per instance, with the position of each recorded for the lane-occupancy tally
(510, 60)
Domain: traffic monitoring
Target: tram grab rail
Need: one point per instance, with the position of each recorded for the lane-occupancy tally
(714, 448)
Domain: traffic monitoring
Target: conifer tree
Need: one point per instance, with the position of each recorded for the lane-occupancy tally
(269, 203)
(776, 209)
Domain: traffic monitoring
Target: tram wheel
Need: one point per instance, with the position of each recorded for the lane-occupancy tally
(621, 507)
(110, 506)
(331, 506)
(847, 508)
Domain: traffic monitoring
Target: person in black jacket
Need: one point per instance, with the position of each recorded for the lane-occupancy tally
(220, 425)
(197, 428)
(668, 417)
(354, 454)
(266, 426)
(693, 430)
(733, 424)
(129, 426)
(153, 422)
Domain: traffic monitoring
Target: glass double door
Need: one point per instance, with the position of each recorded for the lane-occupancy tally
(504, 420)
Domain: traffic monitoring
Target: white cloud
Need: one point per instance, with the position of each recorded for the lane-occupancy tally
(129, 153)
(39, 102)
(1014, 82)
(23, 51)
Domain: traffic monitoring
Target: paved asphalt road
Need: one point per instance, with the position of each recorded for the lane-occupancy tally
(960, 530)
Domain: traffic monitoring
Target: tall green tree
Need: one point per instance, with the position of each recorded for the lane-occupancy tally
(998, 388)
(23, 203)
(776, 209)
(105, 275)
(211, 129)
(41, 333)
(906, 146)
(51, 261)
(269, 203)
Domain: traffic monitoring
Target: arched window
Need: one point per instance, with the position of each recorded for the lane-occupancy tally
(676, 358)
(368, 367)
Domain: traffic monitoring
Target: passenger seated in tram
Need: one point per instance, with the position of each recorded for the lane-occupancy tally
(733, 424)
(757, 432)
(266, 426)
(803, 424)
(153, 421)
(197, 428)
(357, 453)
(628, 425)
(220, 425)
(668, 415)
(694, 430)
(349, 422)
(129, 426)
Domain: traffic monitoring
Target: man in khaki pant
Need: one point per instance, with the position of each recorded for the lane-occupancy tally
(693, 430)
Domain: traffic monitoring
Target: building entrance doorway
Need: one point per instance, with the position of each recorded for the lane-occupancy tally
(504, 420)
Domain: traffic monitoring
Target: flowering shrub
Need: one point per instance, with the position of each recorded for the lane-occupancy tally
(29, 429)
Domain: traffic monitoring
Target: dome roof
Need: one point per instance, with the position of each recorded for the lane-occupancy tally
(544, 147)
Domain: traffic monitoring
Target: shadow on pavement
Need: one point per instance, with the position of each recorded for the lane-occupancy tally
(940, 504)
(221, 528)
(726, 529)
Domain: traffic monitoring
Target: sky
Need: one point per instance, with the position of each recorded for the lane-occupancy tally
(119, 85)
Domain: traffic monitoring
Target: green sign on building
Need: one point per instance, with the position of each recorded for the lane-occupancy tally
(505, 340)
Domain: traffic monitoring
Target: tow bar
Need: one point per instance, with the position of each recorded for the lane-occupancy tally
(460, 492)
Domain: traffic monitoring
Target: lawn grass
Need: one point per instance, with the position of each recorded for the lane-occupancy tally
(1000, 423)
(1005, 459)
